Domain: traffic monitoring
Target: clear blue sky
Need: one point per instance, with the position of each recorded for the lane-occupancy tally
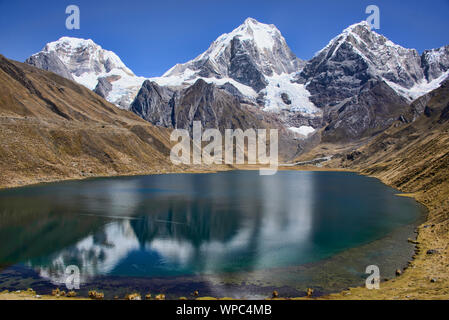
(151, 36)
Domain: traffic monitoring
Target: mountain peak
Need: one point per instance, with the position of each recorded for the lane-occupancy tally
(355, 30)
(363, 41)
(257, 48)
(264, 35)
(69, 42)
(250, 20)
(253, 23)
(74, 40)
(90, 65)
(359, 54)
(359, 25)
(86, 59)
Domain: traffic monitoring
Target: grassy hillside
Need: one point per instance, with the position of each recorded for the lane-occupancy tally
(52, 128)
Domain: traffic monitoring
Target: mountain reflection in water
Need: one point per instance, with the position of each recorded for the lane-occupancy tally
(194, 224)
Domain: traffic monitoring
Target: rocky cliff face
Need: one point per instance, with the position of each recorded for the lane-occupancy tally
(435, 63)
(369, 112)
(205, 102)
(103, 88)
(215, 108)
(49, 61)
(153, 104)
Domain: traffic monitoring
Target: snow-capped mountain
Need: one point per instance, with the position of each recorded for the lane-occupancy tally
(247, 54)
(92, 66)
(255, 59)
(347, 85)
(435, 63)
(358, 55)
(364, 82)
(358, 84)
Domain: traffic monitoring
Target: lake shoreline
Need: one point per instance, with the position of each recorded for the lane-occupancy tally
(223, 168)
(353, 293)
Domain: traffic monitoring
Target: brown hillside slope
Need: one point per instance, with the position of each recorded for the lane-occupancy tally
(414, 158)
(52, 129)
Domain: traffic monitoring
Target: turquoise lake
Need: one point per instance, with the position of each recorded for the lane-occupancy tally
(225, 234)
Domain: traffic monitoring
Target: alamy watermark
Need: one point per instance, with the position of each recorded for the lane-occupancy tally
(373, 280)
(374, 18)
(72, 279)
(73, 20)
(218, 151)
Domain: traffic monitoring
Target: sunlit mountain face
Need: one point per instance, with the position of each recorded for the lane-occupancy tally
(212, 229)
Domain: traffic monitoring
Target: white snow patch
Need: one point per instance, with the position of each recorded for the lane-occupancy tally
(125, 90)
(421, 88)
(262, 34)
(89, 80)
(297, 93)
(303, 130)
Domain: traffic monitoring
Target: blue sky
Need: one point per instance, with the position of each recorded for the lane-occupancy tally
(151, 36)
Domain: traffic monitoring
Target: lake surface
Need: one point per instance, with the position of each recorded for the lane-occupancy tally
(227, 234)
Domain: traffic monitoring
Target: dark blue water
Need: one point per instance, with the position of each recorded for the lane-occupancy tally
(203, 225)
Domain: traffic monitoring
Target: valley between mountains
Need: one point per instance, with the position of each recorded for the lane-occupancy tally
(363, 103)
